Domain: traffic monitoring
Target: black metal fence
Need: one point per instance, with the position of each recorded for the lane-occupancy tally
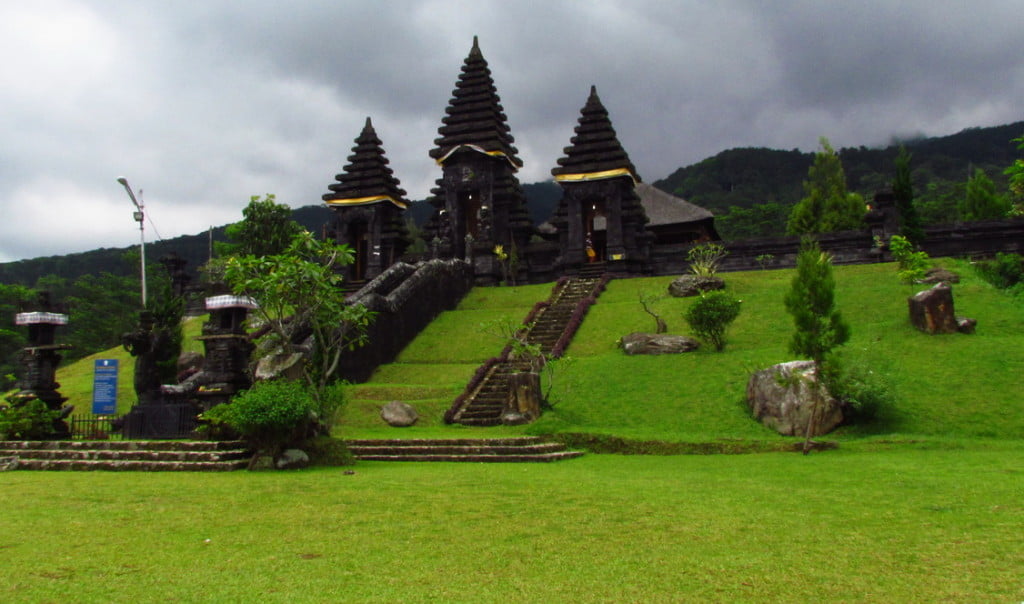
(95, 427)
(151, 422)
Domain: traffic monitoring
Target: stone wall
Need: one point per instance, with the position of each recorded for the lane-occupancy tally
(981, 238)
(406, 299)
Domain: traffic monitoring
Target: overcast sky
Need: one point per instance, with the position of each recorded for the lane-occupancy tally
(203, 104)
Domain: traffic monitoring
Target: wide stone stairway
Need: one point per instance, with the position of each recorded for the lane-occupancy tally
(517, 449)
(552, 325)
(144, 456)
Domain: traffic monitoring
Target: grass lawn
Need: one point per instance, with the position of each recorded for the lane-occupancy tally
(868, 522)
(953, 385)
(925, 504)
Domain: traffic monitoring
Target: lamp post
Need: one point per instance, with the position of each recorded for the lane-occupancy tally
(139, 217)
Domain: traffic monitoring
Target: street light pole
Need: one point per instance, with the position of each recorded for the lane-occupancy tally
(139, 217)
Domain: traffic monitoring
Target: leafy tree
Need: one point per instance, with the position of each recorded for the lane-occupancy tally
(1016, 174)
(266, 229)
(913, 265)
(761, 220)
(981, 201)
(710, 316)
(13, 299)
(819, 325)
(299, 293)
(903, 189)
(827, 206)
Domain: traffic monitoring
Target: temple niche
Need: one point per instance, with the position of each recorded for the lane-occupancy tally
(600, 217)
(478, 200)
(369, 209)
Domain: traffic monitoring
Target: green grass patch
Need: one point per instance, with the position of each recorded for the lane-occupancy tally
(890, 524)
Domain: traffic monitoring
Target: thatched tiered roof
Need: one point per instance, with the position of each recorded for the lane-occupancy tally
(595, 152)
(475, 119)
(367, 178)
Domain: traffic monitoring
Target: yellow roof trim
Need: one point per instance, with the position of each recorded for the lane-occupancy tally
(478, 149)
(362, 201)
(586, 176)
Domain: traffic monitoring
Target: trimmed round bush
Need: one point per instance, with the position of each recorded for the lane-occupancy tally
(710, 315)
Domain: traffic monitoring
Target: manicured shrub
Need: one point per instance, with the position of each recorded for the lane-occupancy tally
(31, 421)
(269, 415)
(710, 316)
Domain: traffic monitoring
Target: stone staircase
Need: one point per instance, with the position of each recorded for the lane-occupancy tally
(127, 455)
(518, 449)
(483, 401)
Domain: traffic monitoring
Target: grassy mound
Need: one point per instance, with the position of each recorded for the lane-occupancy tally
(953, 385)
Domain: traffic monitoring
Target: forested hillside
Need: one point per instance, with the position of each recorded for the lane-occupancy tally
(750, 190)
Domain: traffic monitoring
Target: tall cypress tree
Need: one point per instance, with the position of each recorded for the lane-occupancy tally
(819, 325)
(903, 190)
(811, 300)
(827, 206)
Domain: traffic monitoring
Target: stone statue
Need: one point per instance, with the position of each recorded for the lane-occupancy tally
(150, 346)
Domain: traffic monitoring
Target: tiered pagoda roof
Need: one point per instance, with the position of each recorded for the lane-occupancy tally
(367, 178)
(595, 152)
(475, 119)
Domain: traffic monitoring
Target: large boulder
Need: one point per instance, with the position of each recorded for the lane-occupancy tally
(782, 398)
(398, 414)
(687, 286)
(292, 459)
(940, 275)
(931, 311)
(651, 343)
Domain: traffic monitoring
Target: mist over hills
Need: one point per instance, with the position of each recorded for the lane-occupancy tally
(726, 184)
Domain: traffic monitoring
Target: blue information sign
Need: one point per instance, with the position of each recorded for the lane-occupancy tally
(104, 387)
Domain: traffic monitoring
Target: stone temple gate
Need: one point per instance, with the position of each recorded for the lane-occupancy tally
(478, 202)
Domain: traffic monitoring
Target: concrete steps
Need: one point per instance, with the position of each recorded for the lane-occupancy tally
(482, 404)
(489, 450)
(139, 456)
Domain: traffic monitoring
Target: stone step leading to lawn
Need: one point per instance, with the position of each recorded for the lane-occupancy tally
(482, 403)
(507, 450)
(139, 456)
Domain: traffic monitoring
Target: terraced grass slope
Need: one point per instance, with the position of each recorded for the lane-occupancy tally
(954, 385)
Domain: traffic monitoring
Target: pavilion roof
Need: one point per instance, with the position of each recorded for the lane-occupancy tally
(665, 208)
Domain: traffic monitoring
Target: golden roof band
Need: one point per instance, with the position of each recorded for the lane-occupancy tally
(361, 201)
(478, 149)
(595, 175)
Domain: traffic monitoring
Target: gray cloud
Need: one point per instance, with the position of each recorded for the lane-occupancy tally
(204, 104)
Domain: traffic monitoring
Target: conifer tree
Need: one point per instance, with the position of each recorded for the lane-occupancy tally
(811, 300)
(827, 206)
(819, 325)
(981, 201)
(903, 190)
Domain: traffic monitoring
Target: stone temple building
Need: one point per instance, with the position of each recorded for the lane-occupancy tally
(606, 215)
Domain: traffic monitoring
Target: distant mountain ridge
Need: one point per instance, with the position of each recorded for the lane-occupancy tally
(735, 178)
(744, 177)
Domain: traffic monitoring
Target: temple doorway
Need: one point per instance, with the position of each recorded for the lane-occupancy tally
(469, 220)
(595, 230)
(359, 240)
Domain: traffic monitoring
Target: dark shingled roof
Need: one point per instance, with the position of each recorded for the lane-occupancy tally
(367, 175)
(664, 208)
(595, 148)
(474, 116)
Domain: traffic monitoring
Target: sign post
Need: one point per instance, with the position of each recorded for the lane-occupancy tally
(104, 387)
